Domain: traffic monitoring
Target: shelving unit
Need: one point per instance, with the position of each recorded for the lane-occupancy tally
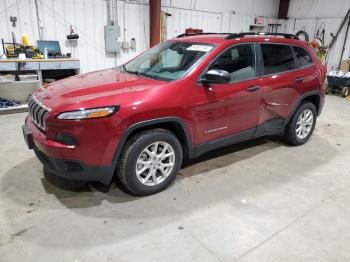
(20, 90)
(14, 109)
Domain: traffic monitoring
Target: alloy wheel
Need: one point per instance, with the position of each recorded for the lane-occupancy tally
(155, 163)
(304, 124)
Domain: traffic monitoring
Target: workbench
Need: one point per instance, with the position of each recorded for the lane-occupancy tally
(54, 68)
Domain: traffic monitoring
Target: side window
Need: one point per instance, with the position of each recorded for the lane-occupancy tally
(277, 58)
(238, 61)
(302, 57)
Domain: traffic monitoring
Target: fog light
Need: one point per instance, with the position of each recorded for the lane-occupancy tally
(66, 139)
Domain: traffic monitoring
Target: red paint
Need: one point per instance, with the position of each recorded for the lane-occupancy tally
(229, 106)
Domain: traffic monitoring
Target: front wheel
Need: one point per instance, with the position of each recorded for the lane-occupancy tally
(302, 124)
(150, 161)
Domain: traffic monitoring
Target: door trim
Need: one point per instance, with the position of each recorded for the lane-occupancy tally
(224, 141)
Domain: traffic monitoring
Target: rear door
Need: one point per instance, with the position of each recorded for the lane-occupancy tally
(287, 72)
(307, 77)
(279, 83)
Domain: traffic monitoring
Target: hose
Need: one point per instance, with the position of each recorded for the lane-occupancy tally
(306, 36)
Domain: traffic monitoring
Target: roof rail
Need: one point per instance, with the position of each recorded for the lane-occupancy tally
(237, 35)
(191, 34)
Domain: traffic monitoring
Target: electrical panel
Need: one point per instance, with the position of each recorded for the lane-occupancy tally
(112, 45)
(133, 44)
(125, 45)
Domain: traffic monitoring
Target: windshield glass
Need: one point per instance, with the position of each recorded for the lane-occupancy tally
(169, 60)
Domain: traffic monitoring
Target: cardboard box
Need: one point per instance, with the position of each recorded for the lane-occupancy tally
(345, 66)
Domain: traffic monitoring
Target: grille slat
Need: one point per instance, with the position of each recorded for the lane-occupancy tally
(38, 112)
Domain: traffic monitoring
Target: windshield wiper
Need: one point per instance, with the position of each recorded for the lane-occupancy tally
(131, 72)
(145, 75)
(137, 73)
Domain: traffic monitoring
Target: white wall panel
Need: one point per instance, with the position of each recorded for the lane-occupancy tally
(88, 17)
(216, 16)
(318, 8)
(246, 8)
(181, 19)
(331, 25)
(239, 23)
(312, 13)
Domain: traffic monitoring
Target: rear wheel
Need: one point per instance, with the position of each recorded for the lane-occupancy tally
(150, 161)
(327, 90)
(345, 91)
(302, 124)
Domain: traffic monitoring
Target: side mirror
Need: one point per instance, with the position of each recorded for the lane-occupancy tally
(216, 76)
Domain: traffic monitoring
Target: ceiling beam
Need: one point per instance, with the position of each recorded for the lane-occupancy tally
(283, 9)
(154, 13)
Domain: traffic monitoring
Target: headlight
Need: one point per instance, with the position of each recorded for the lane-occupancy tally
(89, 113)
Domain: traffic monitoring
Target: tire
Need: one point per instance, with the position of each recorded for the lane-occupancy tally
(345, 91)
(327, 90)
(139, 155)
(298, 137)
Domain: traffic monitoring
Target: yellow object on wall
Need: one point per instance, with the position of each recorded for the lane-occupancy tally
(25, 40)
(163, 30)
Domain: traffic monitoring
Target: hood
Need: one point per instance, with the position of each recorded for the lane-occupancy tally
(100, 88)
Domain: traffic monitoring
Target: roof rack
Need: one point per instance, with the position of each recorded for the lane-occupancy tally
(237, 35)
(192, 34)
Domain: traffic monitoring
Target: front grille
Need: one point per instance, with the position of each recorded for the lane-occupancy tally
(38, 112)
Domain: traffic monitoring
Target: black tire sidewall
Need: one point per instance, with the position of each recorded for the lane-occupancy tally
(327, 90)
(345, 91)
(134, 185)
(291, 134)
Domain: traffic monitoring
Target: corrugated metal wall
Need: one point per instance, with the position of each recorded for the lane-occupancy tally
(318, 8)
(245, 8)
(311, 26)
(311, 14)
(88, 17)
(182, 18)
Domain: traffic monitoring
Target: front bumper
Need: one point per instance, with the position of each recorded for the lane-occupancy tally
(76, 170)
(70, 169)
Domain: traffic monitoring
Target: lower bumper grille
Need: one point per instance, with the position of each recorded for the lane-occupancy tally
(38, 112)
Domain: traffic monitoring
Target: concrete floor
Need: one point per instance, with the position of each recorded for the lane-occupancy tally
(257, 201)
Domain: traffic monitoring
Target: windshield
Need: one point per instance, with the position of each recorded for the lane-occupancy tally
(169, 60)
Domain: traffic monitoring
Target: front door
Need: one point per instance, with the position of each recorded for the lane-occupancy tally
(233, 108)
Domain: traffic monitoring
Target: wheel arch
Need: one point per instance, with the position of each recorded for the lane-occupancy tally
(313, 97)
(173, 124)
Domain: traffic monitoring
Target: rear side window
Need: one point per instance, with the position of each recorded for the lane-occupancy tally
(277, 58)
(302, 58)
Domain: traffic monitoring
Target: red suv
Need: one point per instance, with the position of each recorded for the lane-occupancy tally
(176, 101)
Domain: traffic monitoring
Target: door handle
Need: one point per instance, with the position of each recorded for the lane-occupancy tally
(253, 88)
(299, 79)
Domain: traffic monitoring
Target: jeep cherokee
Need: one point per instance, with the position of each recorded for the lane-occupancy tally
(176, 101)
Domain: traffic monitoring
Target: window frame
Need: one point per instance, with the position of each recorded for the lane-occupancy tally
(257, 63)
(262, 65)
(295, 57)
(192, 68)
